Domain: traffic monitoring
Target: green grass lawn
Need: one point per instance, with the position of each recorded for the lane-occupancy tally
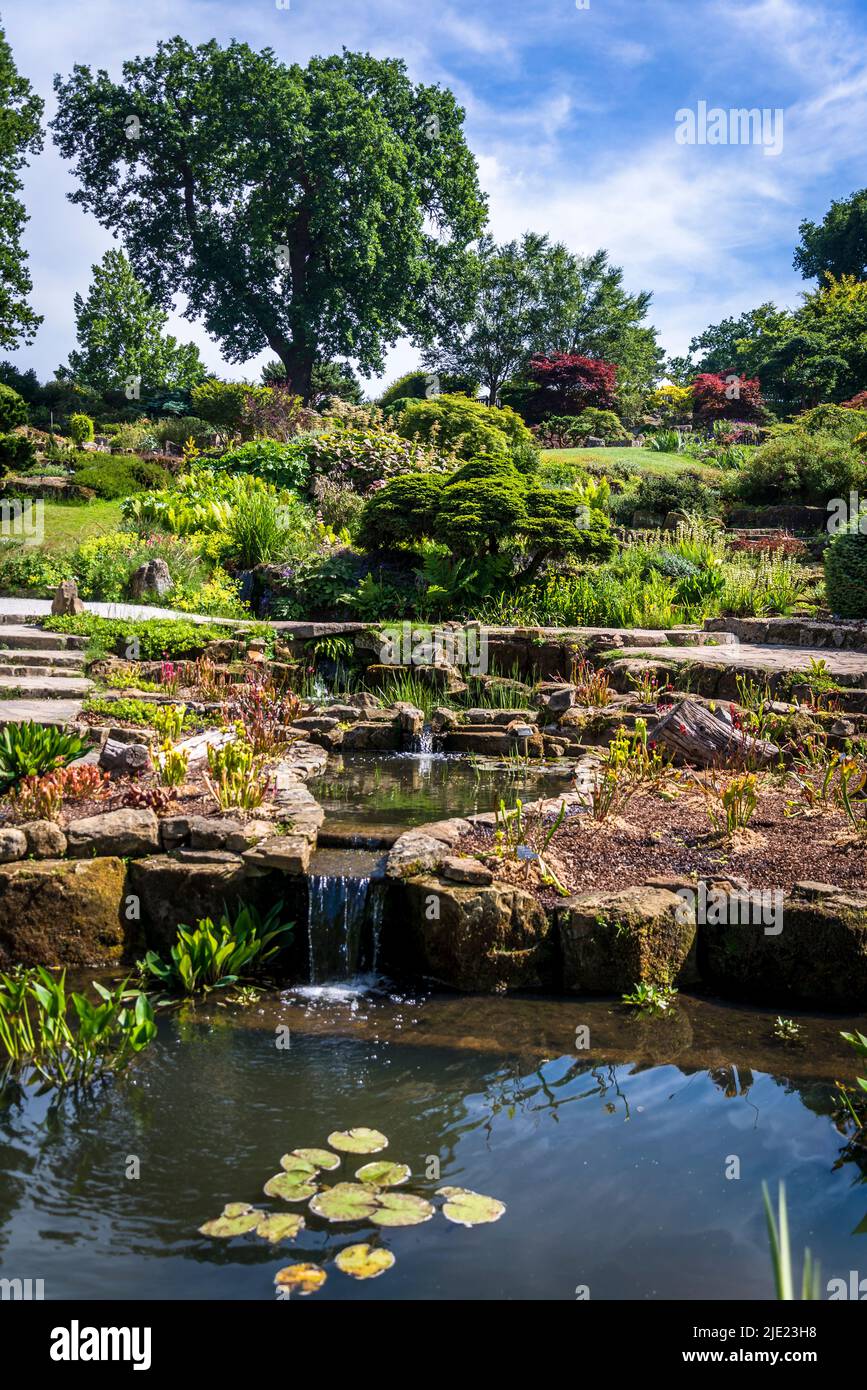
(67, 523)
(647, 459)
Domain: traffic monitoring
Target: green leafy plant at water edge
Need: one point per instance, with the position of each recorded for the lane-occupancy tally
(66, 1039)
(781, 1253)
(29, 749)
(652, 999)
(215, 956)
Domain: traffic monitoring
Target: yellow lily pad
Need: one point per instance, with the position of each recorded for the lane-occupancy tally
(283, 1185)
(280, 1225)
(384, 1174)
(345, 1201)
(237, 1219)
(358, 1141)
(401, 1209)
(364, 1261)
(320, 1158)
(468, 1208)
(301, 1278)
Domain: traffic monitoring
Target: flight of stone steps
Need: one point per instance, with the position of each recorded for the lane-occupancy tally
(41, 675)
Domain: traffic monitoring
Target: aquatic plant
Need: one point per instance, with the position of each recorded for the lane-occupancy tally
(168, 720)
(214, 956)
(592, 686)
(732, 805)
(262, 715)
(171, 765)
(235, 779)
(652, 999)
(67, 1039)
(787, 1030)
(781, 1254)
(629, 766)
(851, 793)
(29, 749)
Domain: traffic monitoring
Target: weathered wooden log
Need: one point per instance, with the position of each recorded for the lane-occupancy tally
(698, 736)
(119, 758)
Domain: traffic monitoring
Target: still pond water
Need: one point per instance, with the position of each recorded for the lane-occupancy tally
(611, 1161)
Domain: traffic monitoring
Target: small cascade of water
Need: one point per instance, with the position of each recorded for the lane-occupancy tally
(427, 743)
(345, 912)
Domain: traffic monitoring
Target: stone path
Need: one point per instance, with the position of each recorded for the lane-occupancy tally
(14, 610)
(850, 667)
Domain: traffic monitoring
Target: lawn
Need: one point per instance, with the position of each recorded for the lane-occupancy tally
(647, 459)
(67, 523)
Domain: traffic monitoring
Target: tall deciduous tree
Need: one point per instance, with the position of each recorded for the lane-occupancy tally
(20, 135)
(838, 244)
(321, 212)
(120, 336)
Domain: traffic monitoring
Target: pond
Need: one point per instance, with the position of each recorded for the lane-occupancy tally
(364, 791)
(612, 1160)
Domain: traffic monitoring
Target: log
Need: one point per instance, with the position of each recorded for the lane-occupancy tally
(118, 757)
(698, 736)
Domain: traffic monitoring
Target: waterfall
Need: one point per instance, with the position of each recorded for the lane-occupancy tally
(345, 910)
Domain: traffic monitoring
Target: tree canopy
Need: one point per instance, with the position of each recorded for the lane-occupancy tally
(120, 336)
(319, 211)
(20, 135)
(838, 244)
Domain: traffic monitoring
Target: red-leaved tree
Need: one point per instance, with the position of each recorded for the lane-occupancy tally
(569, 383)
(728, 397)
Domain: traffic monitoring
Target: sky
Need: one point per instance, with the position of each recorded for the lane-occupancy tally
(571, 111)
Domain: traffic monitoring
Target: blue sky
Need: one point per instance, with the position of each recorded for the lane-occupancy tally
(571, 116)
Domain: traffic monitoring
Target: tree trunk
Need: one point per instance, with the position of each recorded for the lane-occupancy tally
(299, 372)
(697, 736)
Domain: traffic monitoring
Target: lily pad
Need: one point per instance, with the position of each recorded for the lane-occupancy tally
(284, 1186)
(345, 1201)
(384, 1174)
(302, 1278)
(358, 1141)
(281, 1225)
(300, 1168)
(468, 1208)
(401, 1209)
(321, 1158)
(237, 1219)
(364, 1261)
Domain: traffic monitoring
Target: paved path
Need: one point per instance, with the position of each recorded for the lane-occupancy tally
(21, 609)
(850, 666)
(40, 711)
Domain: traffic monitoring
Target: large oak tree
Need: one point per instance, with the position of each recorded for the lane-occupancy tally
(320, 211)
(20, 135)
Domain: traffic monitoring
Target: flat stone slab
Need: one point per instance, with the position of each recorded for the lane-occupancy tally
(39, 711)
(45, 687)
(849, 666)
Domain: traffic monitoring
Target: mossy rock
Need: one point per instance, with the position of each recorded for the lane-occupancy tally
(613, 941)
(64, 912)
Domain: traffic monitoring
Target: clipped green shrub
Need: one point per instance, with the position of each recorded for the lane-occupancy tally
(678, 492)
(801, 467)
(846, 572)
(16, 452)
(13, 409)
(469, 428)
(80, 429)
(118, 475)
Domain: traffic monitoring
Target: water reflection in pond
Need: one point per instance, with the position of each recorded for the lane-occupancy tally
(611, 1160)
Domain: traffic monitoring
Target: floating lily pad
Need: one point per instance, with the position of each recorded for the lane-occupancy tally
(303, 1278)
(237, 1219)
(468, 1208)
(281, 1225)
(321, 1158)
(384, 1174)
(345, 1201)
(300, 1169)
(284, 1186)
(401, 1209)
(358, 1141)
(364, 1261)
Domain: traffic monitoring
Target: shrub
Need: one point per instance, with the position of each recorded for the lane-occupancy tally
(672, 403)
(80, 429)
(686, 492)
(13, 410)
(221, 403)
(846, 573)
(16, 452)
(111, 476)
(840, 421)
(142, 639)
(713, 398)
(468, 428)
(359, 455)
(564, 431)
(179, 430)
(801, 467)
(569, 383)
(134, 437)
(287, 465)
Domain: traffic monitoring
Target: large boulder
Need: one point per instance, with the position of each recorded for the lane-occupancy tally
(613, 941)
(126, 832)
(63, 912)
(171, 891)
(473, 938)
(151, 578)
(66, 601)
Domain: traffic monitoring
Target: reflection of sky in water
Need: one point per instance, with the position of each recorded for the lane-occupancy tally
(613, 1171)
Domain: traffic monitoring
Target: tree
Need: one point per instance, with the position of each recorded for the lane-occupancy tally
(120, 336)
(328, 380)
(739, 344)
(838, 244)
(533, 298)
(322, 212)
(569, 383)
(20, 135)
(13, 410)
(725, 398)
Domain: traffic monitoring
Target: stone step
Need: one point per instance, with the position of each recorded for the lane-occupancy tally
(59, 712)
(25, 637)
(44, 687)
(43, 657)
(37, 670)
